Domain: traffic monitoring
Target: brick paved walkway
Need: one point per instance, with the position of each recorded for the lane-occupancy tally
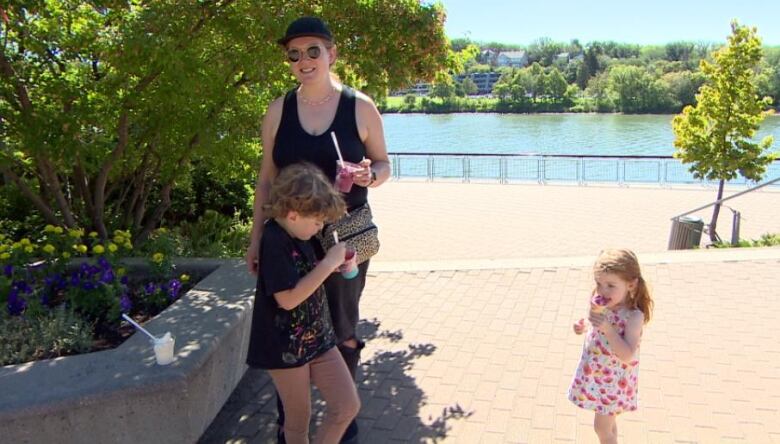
(474, 350)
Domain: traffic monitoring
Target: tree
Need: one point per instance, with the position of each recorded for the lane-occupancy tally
(715, 136)
(631, 85)
(469, 87)
(556, 84)
(443, 86)
(105, 106)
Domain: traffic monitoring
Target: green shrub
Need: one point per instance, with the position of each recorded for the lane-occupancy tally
(766, 240)
(53, 333)
(215, 235)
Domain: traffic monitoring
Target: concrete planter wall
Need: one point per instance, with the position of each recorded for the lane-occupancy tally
(121, 395)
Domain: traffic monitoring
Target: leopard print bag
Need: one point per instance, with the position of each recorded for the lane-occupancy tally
(357, 229)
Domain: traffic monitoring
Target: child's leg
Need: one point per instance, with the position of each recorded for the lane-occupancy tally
(330, 374)
(606, 428)
(294, 388)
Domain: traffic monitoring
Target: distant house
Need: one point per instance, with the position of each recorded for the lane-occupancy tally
(515, 59)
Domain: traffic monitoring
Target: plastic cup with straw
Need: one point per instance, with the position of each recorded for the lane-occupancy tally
(349, 268)
(163, 347)
(344, 170)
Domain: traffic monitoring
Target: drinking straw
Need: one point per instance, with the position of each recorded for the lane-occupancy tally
(135, 324)
(336, 236)
(338, 150)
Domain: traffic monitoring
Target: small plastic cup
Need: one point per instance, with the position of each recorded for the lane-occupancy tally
(163, 349)
(344, 175)
(598, 304)
(349, 269)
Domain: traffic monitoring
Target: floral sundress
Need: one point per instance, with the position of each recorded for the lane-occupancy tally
(603, 383)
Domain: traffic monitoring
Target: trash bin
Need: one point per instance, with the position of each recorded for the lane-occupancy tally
(686, 233)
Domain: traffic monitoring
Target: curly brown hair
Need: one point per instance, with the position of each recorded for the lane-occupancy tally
(625, 264)
(303, 188)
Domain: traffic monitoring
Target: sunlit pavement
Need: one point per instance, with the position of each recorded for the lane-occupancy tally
(469, 305)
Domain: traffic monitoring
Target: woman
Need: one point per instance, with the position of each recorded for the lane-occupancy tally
(297, 128)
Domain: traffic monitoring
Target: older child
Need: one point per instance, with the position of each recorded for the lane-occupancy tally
(606, 378)
(292, 334)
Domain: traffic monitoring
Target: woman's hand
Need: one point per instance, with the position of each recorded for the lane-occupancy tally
(252, 257)
(362, 177)
(579, 326)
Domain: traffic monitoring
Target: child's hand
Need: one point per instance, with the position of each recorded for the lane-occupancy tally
(600, 321)
(335, 255)
(579, 326)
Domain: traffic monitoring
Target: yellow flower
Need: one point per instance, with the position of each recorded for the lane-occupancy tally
(98, 249)
(48, 228)
(2, 237)
(16, 245)
(121, 271)
(157, 258)
(3, 247)
(81, 248)
(58, 230)
(29, 249)
(112, 247)
(119, 239)
(49, 248)
(184, 277)
(93, 234)
(5, 256)
(65, 254)
(75, 233)
(25, 241)
(128, 245)
(162, 230)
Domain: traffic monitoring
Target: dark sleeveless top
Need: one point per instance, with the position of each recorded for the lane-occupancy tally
(293, 144)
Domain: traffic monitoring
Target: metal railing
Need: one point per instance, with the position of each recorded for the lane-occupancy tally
(549, 168)
(674, 240)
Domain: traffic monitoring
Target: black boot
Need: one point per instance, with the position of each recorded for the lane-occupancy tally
(352, 358)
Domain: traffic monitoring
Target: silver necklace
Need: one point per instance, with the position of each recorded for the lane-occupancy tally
(324, 100)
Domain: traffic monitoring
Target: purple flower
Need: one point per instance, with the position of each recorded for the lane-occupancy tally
(104, 264)
(150, 288)
(84, 268)
(124, 303)
(75, 280)
(8, 270)
(124, 280)
(174, 286)
(16, 305)
(89, 286)
(107, 277)
(23, 287)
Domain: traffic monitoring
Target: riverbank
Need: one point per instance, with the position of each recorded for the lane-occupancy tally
(489, 104)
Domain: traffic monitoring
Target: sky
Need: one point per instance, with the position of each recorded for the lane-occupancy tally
(642, 22)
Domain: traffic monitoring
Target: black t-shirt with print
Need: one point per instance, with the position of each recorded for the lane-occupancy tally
(282, 338)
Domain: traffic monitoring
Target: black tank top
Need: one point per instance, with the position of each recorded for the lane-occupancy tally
(293, 144)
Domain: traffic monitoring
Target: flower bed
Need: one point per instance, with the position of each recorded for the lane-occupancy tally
(64, 293)
(121, 395)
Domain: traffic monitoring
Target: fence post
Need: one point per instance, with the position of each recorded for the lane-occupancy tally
(466, 169)
(735, 228)
(430, 168)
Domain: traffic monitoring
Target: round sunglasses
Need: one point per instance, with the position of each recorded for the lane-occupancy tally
(312, 52)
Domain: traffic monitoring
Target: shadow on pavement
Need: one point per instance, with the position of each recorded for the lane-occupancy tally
(391, 400)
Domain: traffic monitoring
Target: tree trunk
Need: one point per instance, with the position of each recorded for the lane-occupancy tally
(715, 212)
